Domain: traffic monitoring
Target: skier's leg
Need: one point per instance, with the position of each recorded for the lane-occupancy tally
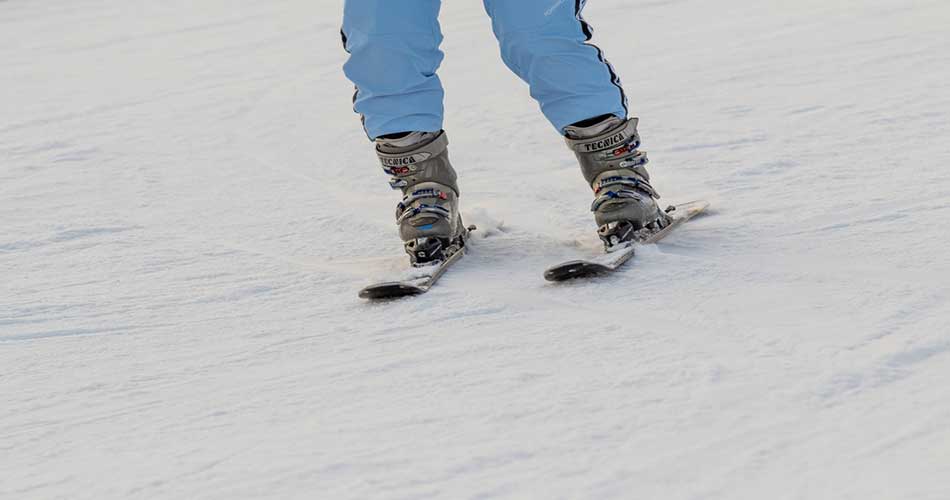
(546, 43)
(394, 55)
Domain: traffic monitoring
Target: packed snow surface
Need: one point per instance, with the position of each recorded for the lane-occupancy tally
(188, 208)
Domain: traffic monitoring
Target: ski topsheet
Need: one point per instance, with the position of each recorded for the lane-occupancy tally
(612, 260)
(417, 280)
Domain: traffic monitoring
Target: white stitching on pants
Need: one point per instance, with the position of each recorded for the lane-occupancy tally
(554, 7)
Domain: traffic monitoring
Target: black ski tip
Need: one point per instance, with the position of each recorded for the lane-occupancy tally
(393, 290)
(574, 269)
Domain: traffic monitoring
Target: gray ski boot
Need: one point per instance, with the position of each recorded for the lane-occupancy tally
(428, 215)
(624, 206)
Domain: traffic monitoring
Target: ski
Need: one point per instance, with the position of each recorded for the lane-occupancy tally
(615, 258)
(418, 280)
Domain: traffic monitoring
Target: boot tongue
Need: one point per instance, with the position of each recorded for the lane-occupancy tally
(406, 141)
(575, 132)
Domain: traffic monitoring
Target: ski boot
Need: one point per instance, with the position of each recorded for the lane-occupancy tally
(624, 205)
(428, 215)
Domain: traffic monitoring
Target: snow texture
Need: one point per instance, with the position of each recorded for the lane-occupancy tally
(189, 207)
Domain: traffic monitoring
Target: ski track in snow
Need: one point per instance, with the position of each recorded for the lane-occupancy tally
(190, 206)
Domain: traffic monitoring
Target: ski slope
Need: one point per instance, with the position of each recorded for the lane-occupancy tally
(188, 207)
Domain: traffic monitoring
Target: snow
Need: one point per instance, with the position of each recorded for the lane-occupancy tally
(189, 208)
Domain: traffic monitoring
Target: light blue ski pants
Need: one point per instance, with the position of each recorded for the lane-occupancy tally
(394, 55)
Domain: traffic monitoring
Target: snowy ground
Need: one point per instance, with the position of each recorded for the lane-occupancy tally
(188, 207)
